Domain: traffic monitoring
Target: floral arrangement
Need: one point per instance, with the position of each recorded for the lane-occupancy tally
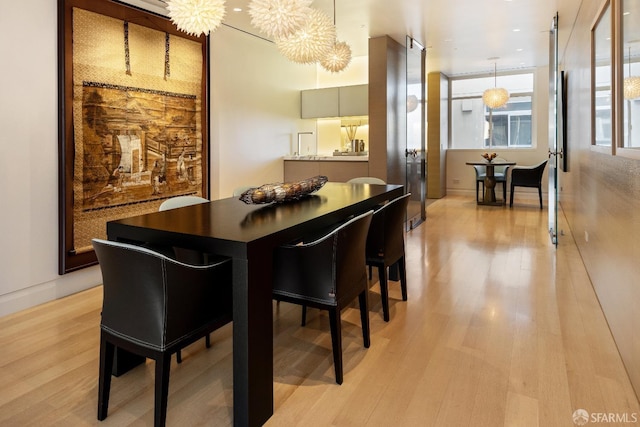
(489, 156)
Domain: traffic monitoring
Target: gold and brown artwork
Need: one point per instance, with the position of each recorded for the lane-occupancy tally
(138, 145)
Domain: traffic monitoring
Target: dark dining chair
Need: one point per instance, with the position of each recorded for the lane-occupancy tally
(327, 273)
(385, 246)
(527, 176)
(499, 172)
(188, 256)
(154, 306)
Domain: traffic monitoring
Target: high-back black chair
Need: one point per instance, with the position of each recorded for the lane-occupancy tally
(154, 306)
(327, 273)
(499, 172)
(385, 246)
(527, 176)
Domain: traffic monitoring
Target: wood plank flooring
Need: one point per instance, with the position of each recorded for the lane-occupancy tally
(500, 329)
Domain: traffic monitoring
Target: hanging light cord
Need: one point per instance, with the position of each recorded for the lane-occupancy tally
(629, 61)
(334, 13)
(495, 74)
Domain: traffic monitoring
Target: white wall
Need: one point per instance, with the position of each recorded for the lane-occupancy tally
(255, 116)
(255, 112)
(461, 178)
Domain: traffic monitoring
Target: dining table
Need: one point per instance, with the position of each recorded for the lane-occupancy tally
(249, 233)
(489, 197)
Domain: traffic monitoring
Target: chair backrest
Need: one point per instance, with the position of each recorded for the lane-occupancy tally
(327, 270)
(481, 171)
(180, 201)
(528, 176)
(156, 300)
(386, 233)
(366, 180)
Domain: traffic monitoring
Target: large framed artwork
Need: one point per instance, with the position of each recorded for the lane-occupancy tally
(133, 119)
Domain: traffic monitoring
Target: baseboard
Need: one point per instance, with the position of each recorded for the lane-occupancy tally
(42, 293)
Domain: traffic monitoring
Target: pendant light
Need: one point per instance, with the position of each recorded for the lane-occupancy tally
(196, 17)
(311, 43)
(631, 86)
(339, 56)
(279, 18)
(495, 97)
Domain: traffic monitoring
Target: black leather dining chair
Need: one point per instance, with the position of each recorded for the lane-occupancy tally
(154, 306)
(385, 246)
(499, 172)
(527, 176)
(327, 273)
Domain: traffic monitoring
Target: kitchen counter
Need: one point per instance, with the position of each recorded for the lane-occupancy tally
(336, 168)
(329, 158)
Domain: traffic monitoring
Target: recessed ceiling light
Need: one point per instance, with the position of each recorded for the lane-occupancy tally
(627, 13)
(237, 9)
(515, 30)
(519, 49)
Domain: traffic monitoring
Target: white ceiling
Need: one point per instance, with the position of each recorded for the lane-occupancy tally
(460, 35)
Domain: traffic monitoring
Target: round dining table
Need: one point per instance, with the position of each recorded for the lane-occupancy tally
(490, 182)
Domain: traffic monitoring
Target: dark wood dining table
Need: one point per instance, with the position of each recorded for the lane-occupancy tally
(489, 197)
(248, 234)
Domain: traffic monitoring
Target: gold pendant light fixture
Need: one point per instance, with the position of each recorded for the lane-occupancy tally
(196, 16)
(311, 43)
(631, 85)
(279, 18)
(339, 56)
(495, 97)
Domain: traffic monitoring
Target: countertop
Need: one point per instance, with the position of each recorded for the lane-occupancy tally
(329, 158)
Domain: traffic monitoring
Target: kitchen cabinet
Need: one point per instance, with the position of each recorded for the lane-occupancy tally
(336, 171)
(354, 100)
(342, 101)
(320, 103)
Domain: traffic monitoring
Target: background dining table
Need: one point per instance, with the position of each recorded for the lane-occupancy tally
(489, 198)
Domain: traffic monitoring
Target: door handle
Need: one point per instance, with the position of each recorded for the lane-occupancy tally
(555, 153)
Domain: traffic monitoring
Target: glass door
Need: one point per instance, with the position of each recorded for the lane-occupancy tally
(554, 117)
(416, 142)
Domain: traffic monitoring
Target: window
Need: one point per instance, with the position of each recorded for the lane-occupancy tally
(472, 121)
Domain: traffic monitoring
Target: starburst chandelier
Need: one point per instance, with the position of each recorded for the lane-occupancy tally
(279, 18)
(311, 43)
(631, 84)
(495, 97)
(196, 17)
(339, 56)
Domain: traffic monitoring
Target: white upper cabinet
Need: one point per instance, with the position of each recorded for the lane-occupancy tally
(335, 102)
(354, 101)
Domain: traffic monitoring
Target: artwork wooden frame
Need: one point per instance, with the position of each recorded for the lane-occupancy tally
(133, 119)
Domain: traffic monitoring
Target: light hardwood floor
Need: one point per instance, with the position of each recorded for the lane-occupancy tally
(500, 329)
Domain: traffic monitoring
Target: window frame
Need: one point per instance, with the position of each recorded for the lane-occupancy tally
(530, 94)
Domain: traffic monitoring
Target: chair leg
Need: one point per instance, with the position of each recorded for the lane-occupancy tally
(384, 291)
(477, 187)
(540, 195)
(207, 340)
(403, 277)
(304, 315)
(107, 351)
(179, 356)
(336, 341)
(364, 317)
(511, 198)
(163, 367)
(504, 191)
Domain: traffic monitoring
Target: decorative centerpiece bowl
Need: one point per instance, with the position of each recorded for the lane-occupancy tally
(489, 156)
